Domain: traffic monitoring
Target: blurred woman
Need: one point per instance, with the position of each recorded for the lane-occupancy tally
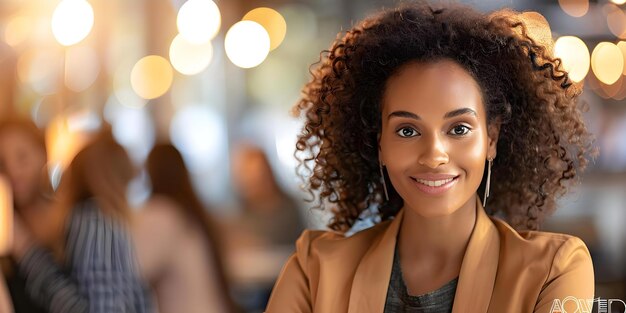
(91, 266)
(176, 241)
(23, 162)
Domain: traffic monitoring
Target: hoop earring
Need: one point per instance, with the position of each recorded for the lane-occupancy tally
(382, 177)
(486, 195)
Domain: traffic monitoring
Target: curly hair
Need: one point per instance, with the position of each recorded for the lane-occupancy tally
(543, 142)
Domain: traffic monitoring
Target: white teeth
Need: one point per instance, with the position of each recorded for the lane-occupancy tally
(434, 183)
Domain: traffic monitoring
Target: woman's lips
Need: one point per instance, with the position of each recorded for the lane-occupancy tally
(435, 184)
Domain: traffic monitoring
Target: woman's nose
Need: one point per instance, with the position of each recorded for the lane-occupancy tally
(434, 152)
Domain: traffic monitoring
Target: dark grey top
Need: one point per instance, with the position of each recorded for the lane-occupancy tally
(399, 300)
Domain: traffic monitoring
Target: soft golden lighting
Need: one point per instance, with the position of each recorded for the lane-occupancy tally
(272, 21)
(188, 58)
(151, 77)
(618, 1)
(17, 30)
(575, 56)
(41, 69)
(6, 216)
(198, 21)
(247, 44)
(72, 21)
(616, 20)
(575, 8)
(62, 143)
(622, 47)
(607, 62)
(81, 68)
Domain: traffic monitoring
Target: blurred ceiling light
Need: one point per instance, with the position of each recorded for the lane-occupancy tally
(151, 77)
(575, 56)
(189, 58)
(616, 20)
(63, 143)
(607, 62)
(81, 68)
(72, 21)
(575, 8)
(272, 21)
(247, 44)
(198, 21)
(618, 1)
(622, 46)
(17, 30)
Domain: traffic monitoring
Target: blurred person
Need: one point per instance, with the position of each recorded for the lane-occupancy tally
(269, 216)
(23, 161)
(177, 241)
(6, 306)
(90, 265)
(462, 131)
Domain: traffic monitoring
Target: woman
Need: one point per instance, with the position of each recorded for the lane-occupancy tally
(176, 241)
(440, 118)
(98, 271)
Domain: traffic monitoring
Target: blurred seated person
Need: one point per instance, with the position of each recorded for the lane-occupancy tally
(268, 215)
(88, 264)
(176, 241)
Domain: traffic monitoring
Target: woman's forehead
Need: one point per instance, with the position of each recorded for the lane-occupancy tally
(434, 87)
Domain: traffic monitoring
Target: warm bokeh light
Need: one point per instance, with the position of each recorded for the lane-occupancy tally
(575, 8)
(189, 58)
(616, 20)
(151, 77)
(81, 68)
(575, 56)
(63, 142)
(618, 1)
(199, 21)
(607, 62)
(17, 30)
(272, 21)
(72, 21)
(247, 44)
(622, 47)
(6, 216)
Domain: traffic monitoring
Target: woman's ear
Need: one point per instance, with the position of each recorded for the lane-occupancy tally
(493, 131)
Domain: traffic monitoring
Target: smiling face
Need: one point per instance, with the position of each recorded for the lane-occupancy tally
(434, 141)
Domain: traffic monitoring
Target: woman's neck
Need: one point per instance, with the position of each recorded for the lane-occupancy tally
(437, 243)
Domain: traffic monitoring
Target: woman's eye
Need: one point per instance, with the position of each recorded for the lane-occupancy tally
(407, 132)
(460, 130)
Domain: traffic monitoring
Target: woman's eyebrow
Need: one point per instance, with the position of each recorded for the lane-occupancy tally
(448, 115)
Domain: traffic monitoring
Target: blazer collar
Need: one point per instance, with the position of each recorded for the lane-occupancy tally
(476, 279)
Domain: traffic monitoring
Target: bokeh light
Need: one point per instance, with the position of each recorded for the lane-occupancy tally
(81, 68)
(616, 20)
(247, 44)
(607, 62)
(17, 30)
(6, 216)
(273, 22)
(575, 8)
(72, 21)
(575, 56)
(41, 69)
(151, 77)
(622, 46)
(189, 58)
(198, 21)
(618, 2)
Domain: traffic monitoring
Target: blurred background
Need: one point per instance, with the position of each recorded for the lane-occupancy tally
(217, 79)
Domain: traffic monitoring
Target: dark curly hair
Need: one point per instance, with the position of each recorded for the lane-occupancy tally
(543, 142)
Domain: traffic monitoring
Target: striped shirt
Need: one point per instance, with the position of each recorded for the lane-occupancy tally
(100, 274)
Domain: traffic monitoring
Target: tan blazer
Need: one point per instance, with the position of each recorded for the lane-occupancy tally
(502, 271)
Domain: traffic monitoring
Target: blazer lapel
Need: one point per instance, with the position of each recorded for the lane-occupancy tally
(480, 263)
(476, 279)
(371, 280)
